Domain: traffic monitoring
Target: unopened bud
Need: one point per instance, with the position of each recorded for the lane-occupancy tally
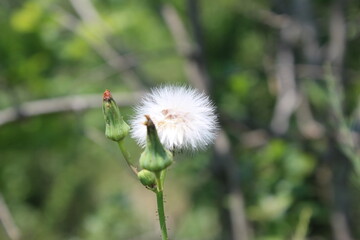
(116, 129)
(155, 157)
(147, 178)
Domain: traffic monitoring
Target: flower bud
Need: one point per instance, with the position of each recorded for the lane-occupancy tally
(155, 157)
(147, 178)
(116, 129)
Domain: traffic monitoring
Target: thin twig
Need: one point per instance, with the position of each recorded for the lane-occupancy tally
(98, 41)
(61, 104)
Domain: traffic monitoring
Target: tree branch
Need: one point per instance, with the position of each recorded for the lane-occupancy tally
(287, 93)
(194, 69)
(61, 104)
(252, 10)
(198, 76)
(98, 41)
(342, 140)
(225, 162)
(7, 221)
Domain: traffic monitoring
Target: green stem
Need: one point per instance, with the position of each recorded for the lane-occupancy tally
(160, 205)
(127, 157)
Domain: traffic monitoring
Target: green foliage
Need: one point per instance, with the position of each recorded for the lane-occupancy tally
(62, 179)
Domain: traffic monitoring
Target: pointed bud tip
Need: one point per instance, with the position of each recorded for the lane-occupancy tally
(107, 95)
(155, 157)
(148, 122)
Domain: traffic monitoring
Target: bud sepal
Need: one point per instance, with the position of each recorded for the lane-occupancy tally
(155, 157)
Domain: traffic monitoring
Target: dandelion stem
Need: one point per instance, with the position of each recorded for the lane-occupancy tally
(160, 205)
(127, 157)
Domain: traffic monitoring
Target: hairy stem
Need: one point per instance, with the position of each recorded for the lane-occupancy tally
(160, 205)
(127, 157)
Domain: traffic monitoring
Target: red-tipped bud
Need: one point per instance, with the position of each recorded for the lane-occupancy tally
(116, 129)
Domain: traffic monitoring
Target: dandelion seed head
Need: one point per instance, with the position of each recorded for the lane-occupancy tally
(184, 118)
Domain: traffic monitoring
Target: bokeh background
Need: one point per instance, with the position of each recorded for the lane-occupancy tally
(284, 76)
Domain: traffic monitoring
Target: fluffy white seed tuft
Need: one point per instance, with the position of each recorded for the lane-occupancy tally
(184, 118)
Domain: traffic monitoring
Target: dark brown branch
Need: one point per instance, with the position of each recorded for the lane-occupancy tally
(196, 26)
(224, 161)
(61, 104)
(185, 47)
(197, 32)
(195, 69)
(339, 165)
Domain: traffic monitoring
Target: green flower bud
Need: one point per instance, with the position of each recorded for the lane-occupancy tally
(155, 157)
(116, 129)
(147, 178)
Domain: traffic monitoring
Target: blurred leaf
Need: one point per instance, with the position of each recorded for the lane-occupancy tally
(27, 18)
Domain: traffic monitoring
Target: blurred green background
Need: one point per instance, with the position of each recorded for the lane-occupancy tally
(284, 76)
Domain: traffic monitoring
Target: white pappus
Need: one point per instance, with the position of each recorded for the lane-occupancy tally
(184, 118)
